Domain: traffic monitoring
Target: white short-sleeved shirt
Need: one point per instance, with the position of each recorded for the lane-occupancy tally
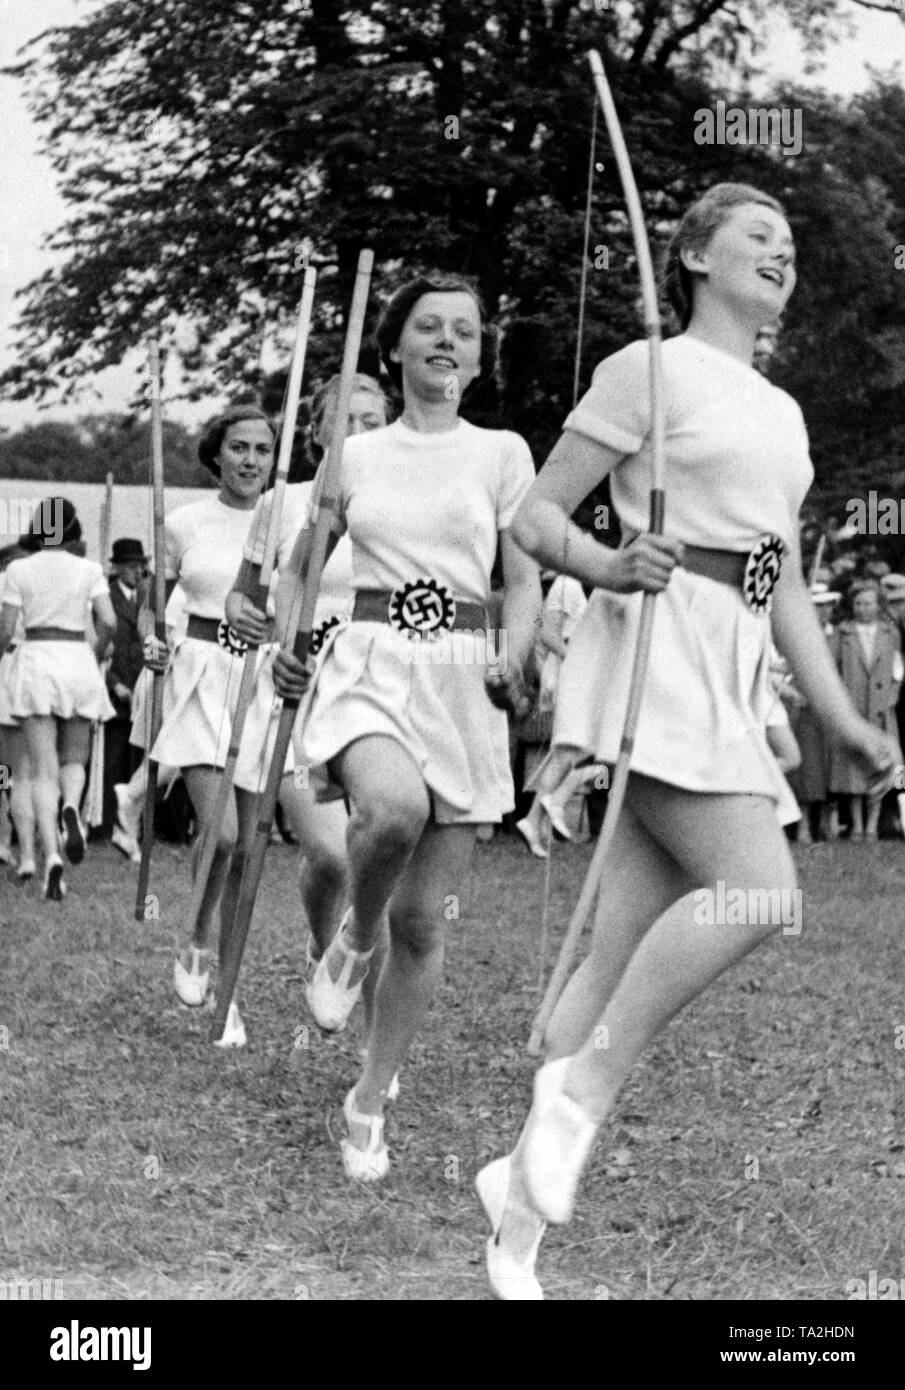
(54, 588)
(204, 544)
(737, 460)
(420, 505)
(335, 593)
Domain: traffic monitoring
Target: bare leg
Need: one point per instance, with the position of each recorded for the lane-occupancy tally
(40, 732)
(320, 828)
(640, 882)
(709, 838)
(830, 818)
(389, 811)
(873, 817)
(202, 785)
(414, 967)
(556, 770)
(21, 803)
(75, 750)
(246, 812)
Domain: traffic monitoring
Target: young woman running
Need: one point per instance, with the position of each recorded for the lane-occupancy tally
(13, 750)
(204, 545)
(56, 687)
(319, 826)
(413, 741)
(703, 795)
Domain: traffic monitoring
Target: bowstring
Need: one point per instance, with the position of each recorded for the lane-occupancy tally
(582, 295)
(576, 386)
(276, 703)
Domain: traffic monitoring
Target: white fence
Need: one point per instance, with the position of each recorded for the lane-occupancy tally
(131, 508)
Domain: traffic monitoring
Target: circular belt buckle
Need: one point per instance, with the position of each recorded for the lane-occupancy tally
(422, 608)
(229, 640)
(320, 632)
(761, 573)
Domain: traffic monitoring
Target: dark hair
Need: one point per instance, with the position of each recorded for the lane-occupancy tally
(214, 432)
(694, 232)
(394, 315)
(54, 523)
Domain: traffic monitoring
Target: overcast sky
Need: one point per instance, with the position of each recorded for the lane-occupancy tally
(30, 206)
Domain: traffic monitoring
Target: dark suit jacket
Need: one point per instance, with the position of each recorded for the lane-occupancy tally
(126, 662)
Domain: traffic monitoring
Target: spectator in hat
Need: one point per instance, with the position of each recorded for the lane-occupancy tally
(128, 567)
(809, 780)
(893, 587)
(868, 653)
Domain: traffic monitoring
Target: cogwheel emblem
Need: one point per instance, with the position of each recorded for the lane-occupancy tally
(761, 573)
(422, 607)
(230, 641)
(320, 632)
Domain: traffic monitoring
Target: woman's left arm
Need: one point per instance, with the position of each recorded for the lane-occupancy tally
(8, 619)
(522, 609)
(104, 624)
(800, 639)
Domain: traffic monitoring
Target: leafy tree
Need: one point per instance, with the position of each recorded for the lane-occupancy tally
(199, 146)
(86, 451)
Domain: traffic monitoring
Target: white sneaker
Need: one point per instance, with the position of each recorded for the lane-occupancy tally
(556, 816)
(558, 1138)
(528, 831)
(191, 984)
(128, 812)
(125, 844)
(233, 1030)
(370, 1164)
(511, 1279)
(332, 1001)
(73, 836)
(54, 887)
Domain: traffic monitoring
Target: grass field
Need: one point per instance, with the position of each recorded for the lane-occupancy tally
(758, 1152)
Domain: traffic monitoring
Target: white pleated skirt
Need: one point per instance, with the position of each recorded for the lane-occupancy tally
(200, 692)
(702, 724)
(371, 680)
(58, 678)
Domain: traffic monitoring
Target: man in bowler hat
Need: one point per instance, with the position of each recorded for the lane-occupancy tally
(128, 570)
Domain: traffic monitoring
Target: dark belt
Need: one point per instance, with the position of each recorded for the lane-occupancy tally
(725, 566)
(754, 573)
(423, 607)
(216, 630)
(53, 634)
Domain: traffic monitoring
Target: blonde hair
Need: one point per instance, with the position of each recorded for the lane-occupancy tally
(326, 395)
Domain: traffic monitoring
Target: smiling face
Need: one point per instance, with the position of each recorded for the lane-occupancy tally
(366, 412)
(439, 349)
(749, 262)
(245, 459)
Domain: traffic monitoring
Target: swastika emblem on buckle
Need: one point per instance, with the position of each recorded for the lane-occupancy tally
(761, 573)
(422, 607)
